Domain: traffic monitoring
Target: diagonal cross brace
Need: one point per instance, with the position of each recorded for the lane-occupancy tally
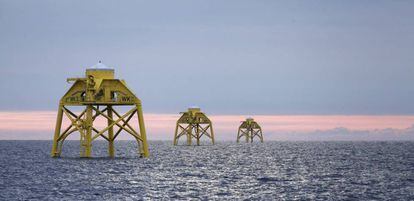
(115, 123)
(137, 136)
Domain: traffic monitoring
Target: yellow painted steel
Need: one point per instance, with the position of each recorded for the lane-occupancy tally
(99, 92)
(193, 124)
(249, 129)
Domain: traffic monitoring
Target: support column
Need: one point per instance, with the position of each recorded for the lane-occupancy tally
(189, 134)
(142, 131)
(247, 134)
(261, 135)
(212, 133)
(175, 134)
(251, 134)
(238, 136)
(87, 141)
(111, 150)
(198, 134)
(55, 152)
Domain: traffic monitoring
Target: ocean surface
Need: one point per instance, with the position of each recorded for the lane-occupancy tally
(226, 171)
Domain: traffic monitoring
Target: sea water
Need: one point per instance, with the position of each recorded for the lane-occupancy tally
(225, 171)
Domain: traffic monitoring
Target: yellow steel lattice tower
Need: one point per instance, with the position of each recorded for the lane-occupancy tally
(249, 129)
(193, 124)
(98, 93)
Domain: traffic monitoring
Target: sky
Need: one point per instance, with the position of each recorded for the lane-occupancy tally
(319, 59)
(39, 125)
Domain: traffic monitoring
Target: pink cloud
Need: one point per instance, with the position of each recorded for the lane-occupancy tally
(161, 126)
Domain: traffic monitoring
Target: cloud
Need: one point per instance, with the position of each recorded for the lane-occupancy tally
(39, 125)
(345, 134)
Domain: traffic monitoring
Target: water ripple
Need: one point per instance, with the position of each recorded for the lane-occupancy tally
(269, 171)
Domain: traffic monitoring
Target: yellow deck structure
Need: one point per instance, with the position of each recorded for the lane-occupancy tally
(98, 93)
(193, 124)
(249, 129)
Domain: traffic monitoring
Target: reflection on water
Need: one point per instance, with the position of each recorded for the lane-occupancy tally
(273, 170)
